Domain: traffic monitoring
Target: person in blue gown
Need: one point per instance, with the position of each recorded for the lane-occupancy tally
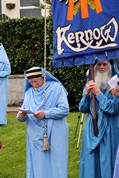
(5, 71)
(99, 152)
(47, 131)
(115, 92)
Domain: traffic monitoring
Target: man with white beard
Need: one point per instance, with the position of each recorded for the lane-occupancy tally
(103, 73)
(99, 152)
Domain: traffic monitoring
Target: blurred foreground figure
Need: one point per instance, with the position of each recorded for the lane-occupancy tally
(4, 73)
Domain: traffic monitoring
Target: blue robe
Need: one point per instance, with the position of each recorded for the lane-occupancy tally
(4, 73)
(52, 163)
(116, 169)
(98, 153)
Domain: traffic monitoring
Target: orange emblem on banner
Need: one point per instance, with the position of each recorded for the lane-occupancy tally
(73, 5)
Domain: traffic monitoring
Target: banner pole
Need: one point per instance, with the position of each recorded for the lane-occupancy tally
(95, 126)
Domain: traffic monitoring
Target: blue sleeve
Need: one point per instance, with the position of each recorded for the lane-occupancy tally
(5, 70)
(110, 106)
(84, 104)
(62, 107)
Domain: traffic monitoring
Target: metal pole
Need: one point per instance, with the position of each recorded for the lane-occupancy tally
(80, 129)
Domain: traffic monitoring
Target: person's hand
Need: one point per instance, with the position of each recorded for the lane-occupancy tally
(95, 89)
(21, 115)
(115, 91)
(89, 86)
(39, 114)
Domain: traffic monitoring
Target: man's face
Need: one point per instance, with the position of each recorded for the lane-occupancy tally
(36, 82)
(103, 66)
(103, 73)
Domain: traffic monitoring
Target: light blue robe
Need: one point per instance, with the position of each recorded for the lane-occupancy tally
(52, 163)
(98, 153)
(4, 73)
(116, 169)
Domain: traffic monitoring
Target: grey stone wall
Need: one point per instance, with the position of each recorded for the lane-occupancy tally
(15, 90)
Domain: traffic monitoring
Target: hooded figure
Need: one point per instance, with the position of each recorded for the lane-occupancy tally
(47, 132)
(99, 152)
(5, 71)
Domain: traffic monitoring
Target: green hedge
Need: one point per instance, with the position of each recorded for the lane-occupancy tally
(73, 79)
(23, 40)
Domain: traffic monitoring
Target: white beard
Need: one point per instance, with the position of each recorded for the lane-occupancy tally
(101, 79)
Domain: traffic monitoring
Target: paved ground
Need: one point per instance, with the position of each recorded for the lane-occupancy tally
(12, 109)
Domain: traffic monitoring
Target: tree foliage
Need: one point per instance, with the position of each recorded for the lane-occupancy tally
(23, 40)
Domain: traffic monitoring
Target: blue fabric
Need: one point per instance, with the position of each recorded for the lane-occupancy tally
(4, 73)
(52, 163)
(116, 169)
(76, 42)
(116, 66)
(98, 153)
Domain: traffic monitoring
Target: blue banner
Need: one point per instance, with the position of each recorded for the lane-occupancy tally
(85, 30)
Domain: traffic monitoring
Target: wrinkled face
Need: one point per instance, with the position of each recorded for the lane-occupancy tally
(36, 82)
(103, 66)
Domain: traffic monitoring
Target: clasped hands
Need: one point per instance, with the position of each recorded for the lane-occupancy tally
(38, 115)
(91, 86)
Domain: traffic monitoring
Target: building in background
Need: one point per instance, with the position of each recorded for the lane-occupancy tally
(22, 8)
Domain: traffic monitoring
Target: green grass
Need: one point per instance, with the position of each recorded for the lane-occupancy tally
(13, 153)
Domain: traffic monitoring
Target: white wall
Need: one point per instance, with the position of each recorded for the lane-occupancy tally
(15, 13)
(15, 90)
(48, 8)
(12, 13)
